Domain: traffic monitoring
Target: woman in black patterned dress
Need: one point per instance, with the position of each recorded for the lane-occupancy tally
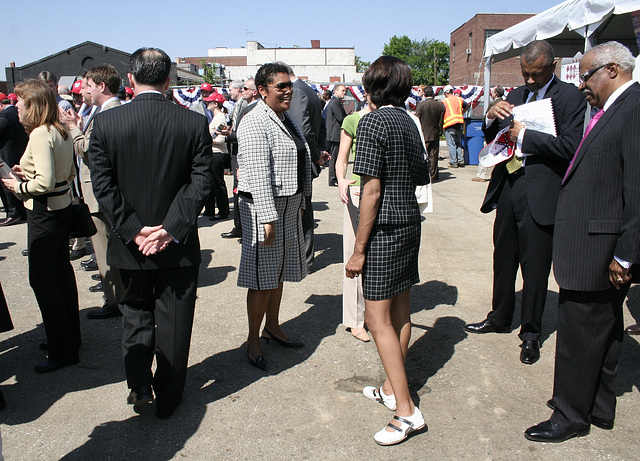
(390, 158)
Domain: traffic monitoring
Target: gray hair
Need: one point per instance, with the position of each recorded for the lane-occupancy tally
(237, 84)
(613, 52)
(537, 48)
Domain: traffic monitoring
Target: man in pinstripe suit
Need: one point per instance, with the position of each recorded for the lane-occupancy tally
(597, 238)
(151, 170)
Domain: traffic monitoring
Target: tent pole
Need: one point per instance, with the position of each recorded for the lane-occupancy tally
(487, 82)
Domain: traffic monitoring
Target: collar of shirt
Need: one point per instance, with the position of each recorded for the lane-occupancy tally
(149, 91)
(616, 94)
(542, 91)
(107, 102)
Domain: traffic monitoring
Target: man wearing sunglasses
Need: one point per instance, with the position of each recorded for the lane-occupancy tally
(524, 192)
(597, 238)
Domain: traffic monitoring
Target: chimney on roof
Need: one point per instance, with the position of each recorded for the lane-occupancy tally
(315, 43)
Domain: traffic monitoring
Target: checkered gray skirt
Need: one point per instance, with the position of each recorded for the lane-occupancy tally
(263, 268)
(391, 261)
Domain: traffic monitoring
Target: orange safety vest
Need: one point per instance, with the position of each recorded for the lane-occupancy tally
(453, 111)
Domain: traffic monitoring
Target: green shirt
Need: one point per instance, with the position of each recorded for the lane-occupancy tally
(350, 124)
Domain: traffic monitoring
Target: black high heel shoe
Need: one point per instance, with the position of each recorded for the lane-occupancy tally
(259, 361)
(289, 343)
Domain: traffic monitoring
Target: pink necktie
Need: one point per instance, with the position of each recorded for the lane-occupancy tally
(590, 126)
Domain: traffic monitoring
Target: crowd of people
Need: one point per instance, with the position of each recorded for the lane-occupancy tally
(145, 168)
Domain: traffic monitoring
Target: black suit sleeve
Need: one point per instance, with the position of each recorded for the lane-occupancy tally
(299, 112)
(189, 201)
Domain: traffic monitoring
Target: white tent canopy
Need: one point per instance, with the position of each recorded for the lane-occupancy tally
(572, 26)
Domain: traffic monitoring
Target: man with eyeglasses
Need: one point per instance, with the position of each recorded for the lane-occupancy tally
(524, 191)
(597, 238)
(249, 96)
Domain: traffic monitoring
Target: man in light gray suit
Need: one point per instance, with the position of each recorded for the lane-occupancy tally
(596, 240)
(102, 85)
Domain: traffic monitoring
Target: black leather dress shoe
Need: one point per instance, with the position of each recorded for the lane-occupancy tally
(486, 326)
(166, 410)
(141, 398)
(633, 329)
(548, 431)
(96, 277)
(53, 365)
(97, 288)
(25, 252)
(92, 266)
(86, 262)
(11, 220)
(530, 352)
(105, 312)
(234, 234)
(218, 217)
(602, 423)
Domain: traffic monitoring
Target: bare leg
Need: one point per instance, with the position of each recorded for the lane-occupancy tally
(389, 323)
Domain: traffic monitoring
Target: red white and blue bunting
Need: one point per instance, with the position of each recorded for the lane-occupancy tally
(472, 95)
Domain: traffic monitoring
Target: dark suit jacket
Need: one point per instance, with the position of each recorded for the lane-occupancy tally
(335, 116)
(306, 111)
(151, 164)
(599, 205)
(431, 115)
(545, 169)
(13, 138)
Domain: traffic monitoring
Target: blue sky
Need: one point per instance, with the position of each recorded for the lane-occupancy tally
(34, 29)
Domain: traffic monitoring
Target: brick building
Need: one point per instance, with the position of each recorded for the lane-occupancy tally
(466, 64)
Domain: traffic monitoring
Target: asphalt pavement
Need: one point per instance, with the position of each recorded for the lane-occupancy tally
(476, 396)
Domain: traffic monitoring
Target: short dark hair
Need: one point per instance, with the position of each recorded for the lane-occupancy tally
(150, 66)
(105, 74)
(388, 81)
(499, 91)
(428, 91)
(267, 73)
(537, 48)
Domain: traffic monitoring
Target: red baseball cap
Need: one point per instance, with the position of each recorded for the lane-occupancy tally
(3, 97)
(128, 90)
(206, 87)
(12, 97)
(77, 87)
(217, 97)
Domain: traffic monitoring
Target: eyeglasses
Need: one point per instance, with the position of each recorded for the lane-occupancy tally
(587, 75)
(248, 89)
(282, 86)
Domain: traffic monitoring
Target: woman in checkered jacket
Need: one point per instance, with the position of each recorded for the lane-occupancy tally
(274, 173)
(391, 160)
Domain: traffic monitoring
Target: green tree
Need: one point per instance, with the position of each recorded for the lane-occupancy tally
(361, 65)
(421, 56)
(209, 73)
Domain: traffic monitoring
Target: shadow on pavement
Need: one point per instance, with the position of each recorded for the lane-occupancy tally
(217, 377)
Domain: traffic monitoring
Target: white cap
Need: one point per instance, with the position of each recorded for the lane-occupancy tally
(447, 89)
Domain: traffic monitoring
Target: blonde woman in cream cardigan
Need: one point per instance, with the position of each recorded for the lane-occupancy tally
(44, 174)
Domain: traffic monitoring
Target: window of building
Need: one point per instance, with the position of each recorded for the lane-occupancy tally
(489, 33)
(453, 53)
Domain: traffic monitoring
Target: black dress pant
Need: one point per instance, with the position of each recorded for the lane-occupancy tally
(158, 308)
(236, 213)
(334, 148)
(218, 195)
(519, 241)
(588, 344)
(433, 152)
(53, 281)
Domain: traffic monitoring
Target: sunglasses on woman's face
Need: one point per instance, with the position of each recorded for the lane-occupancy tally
(282, 86)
